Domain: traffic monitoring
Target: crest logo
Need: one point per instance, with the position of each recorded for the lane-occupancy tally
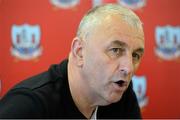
(26, 41)
(65, 3)
(140, 87)
(133, 4)
(167, 42)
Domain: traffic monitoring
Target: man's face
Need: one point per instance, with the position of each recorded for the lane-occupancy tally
(111, 54)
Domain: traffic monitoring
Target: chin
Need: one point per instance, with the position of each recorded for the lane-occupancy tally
(117, 97)
(113, 99)
(116, 100)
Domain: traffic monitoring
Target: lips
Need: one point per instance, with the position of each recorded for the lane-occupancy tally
(121, 83)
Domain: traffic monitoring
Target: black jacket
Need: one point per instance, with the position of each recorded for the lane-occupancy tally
(47, 95)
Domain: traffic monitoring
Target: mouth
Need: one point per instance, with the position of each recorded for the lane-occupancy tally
(121, 83)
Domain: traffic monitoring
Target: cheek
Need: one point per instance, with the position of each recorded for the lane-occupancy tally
(97, 68)
(136, 66)
(98, 64)
(103, 73)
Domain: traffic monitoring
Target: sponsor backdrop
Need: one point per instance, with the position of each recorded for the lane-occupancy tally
(37, 33)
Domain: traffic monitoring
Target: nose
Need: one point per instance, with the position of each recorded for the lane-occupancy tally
(126, 66)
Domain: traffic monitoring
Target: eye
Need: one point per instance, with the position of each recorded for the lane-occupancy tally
(115, 52)
(136, 56)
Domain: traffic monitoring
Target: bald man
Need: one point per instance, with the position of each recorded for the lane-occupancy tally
(95, 81)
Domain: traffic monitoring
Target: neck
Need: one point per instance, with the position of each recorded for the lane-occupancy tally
(79, 92)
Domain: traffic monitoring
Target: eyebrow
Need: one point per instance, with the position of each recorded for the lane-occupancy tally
(141, 50)
(123, 44)
(119, 43)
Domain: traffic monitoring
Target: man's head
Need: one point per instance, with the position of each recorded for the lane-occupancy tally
(106, 52)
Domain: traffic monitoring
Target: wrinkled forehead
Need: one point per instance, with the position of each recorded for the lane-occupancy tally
(115, 24)
(113, 20)
(102, 15)
(123, 23)
(114, 28)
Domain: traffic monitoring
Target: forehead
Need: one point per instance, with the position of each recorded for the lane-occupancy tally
(113, 28)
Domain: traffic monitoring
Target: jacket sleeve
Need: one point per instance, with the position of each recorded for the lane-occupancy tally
(20, 103)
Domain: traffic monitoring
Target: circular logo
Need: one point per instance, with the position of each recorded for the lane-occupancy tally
(65, 3)
(132, 4)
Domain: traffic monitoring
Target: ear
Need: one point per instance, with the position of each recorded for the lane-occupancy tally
(76, 50)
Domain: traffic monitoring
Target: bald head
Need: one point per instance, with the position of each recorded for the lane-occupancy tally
(95, 16)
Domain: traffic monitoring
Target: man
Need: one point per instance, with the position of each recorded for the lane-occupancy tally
(95, 81)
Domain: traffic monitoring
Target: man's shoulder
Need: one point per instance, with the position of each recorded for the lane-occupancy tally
(43, 86)
(35, 81)
(54, 75)
(43, 91)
